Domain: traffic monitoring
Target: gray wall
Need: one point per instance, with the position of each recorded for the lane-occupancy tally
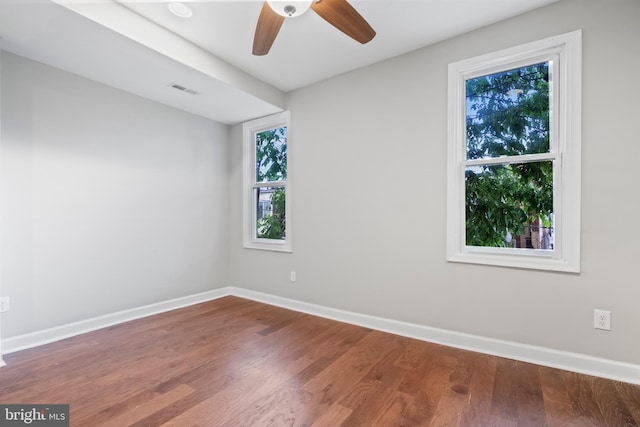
(368, 158)
(109, 201)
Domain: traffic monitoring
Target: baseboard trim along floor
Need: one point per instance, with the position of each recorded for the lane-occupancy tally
(34, 339)
(584, 364)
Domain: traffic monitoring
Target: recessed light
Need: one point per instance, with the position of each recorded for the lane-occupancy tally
(181, 10)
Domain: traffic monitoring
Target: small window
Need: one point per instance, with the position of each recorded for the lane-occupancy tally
(266, 185)
(514, 157)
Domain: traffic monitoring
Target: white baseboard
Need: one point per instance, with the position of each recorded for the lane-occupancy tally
(575, 362)
(34, 339)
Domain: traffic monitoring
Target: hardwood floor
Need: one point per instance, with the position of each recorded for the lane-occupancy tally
(234, 362)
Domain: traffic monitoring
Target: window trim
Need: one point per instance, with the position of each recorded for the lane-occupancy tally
(249, 211)
(566, 49)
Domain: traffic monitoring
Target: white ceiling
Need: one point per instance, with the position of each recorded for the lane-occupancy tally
(140, 47)
(308, 49)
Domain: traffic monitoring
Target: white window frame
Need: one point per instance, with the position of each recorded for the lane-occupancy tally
(250, 129)
(565, 51)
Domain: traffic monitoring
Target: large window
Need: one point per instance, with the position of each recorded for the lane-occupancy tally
(266, 186)
(514, 156)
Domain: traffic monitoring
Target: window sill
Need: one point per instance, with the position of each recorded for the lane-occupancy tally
(267, 245)
(538, 261)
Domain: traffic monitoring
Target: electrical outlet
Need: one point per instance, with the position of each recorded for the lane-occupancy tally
(293, 276)
(602, 319)
(4, 304)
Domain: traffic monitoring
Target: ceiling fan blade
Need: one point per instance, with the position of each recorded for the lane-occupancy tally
(344, 17)
(267, 28)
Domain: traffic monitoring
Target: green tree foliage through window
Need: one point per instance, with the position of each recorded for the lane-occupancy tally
(271, 167)
(271, 155)
(508, 115)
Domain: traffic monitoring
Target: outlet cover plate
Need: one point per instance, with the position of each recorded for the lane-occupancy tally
(602, 319)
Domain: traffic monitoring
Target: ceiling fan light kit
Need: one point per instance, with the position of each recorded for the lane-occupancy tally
(289, 9)
(338, 13)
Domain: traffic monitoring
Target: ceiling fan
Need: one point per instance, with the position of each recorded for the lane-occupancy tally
(338, 13)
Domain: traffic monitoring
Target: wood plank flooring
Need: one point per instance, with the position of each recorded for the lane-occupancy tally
(234, 362)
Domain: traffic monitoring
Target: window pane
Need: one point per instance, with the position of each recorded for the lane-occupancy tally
(507, 113)
(270, 213)
(271, 155)
(510, 205)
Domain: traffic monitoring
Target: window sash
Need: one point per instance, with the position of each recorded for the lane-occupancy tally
(549, 253)
(551, 56)
(255, 197)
